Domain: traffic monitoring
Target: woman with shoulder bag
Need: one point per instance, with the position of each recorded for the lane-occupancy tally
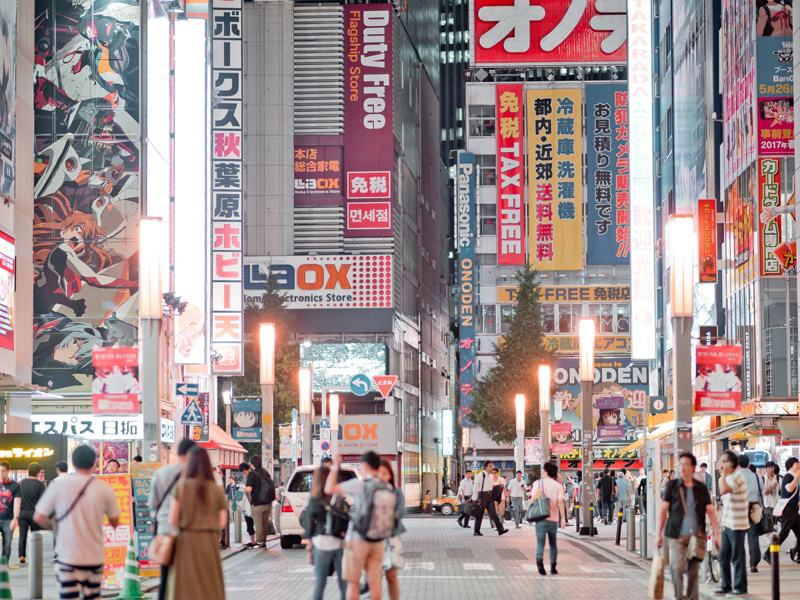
(393, 557)
(772, 491)
(199, 511)
(326, 547)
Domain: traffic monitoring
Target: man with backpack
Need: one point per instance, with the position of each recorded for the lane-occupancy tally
(373, 519)
(261, 489)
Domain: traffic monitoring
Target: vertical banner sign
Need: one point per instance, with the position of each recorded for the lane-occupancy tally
(769, 198)
(561, 438)
(608, 213)
(115, 386)
(555, 177)
(707, 239)
(142, 476)
(718, 381)
(368, 129)
(533, 452)
(8, 118)
(7, 290)
(115, 540)
(465, 239)
(640, 108)
(246, 420)
(227, 187)
(511, 168)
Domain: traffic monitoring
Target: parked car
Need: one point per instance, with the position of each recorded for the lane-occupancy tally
(294, 502)
(447, 505)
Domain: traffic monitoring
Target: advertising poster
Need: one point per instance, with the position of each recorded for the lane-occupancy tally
(718, 382)
(555, 33)
(533, 452)
(246, 420)
(707, 239)
(609, 418)
(141, 478)
(116, 539)
(608, 172)
(511, 169)
(560, 438)
(465, 239)
(769, 197)
(773, 18)
(118, 451)
(115, 387)
(776, 126)
(616, 382)
(285, 433)
(7, 290)
(368, 123)
(739, 218)
(202, 433)
(317, 173)
(775, 78)
(555, 178)
(8, 94)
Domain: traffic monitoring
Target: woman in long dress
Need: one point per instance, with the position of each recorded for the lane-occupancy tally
(198, 513)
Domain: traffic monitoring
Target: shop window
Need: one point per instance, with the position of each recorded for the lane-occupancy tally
(488, 219)
(506, 314)
(603, 316)
(549, 318)
(568, 317)
(488, 165)
(488, 318)
(623, 318)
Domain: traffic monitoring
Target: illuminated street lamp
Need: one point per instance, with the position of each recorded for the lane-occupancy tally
(334, 406)
(305, 412)
(150, 300)
(226, 400)
(544, 410)
(586, 370)
(681, 302)
(267, 378)
(519, 401)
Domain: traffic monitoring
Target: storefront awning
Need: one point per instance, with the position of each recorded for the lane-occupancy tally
(220, 440)
(727, 430)
(659, 432)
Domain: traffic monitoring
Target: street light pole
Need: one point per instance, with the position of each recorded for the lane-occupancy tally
(681, 299)
(544, 411)
(334, 401)
(267, 378)
(150, 313)
(226, 400)
(305, 412)
(586, 368)
(520, 451)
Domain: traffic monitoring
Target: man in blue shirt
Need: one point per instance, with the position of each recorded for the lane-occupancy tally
(707, 477)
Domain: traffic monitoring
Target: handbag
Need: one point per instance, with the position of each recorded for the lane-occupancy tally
(767, 522)
(696, 548)
(656, 587)
(162, 548)
(476, 509)
(756, 512)
(539, 508)
(507, 514)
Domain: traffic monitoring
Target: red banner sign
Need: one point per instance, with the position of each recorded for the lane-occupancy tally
(115, 387)
(707, 237)
(369, 215)
(769, 198)
(548, 32)
(369, 185)
(511, 173)
(718, 382)
(787, 255)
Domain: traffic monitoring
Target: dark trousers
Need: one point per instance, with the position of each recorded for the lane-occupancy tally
(607, 510)
(790, 522)
(25, 524)
(752, 543)
(463, 518)
(732, 553)
(162, 585)
(486, 502)
(5, 530)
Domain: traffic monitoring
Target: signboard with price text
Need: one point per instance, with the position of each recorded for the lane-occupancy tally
(116, 539)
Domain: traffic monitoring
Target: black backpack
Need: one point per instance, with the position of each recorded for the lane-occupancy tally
(266, 489)
(337, 517)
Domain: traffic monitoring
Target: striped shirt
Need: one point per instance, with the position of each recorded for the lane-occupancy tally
(736, 509)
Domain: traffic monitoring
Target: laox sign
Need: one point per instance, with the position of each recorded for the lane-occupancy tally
(312, 277)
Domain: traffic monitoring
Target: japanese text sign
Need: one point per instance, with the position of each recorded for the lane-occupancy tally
(718, 382)
(547, 32)
(555, 178)
(707, 239)
(511, 169)
(89, 427)
(369, 185)
(776, 126)
(774, 74)
(317, 175)
(116, 538)
(369, 215)
(769, 198)
(115, 386)
(465, 237)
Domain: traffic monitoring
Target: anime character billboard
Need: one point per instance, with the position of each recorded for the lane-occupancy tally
(86, 169)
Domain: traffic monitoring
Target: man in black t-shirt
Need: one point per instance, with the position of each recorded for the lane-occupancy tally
(790, 520)
(261, 489)
(31, 489)
(10, 502)
(605, 491)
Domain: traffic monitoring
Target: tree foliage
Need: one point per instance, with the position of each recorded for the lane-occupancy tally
(518, 356)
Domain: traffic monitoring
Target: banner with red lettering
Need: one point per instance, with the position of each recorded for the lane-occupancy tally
(511, 175)
(115, 386)
(707, 238)
(718, 382)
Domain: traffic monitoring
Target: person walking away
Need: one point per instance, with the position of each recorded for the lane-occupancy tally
(790, 520)
(199, 511)
(707, 477)
(393, 557)
(326, 547)
(605, 491)
(500, 495)
(74, 507)
(160, 501)
(244, 507)
(465, 497)
(549, 487)
(374, 514)
(261, 488)
(624, 496)
(31, 490)
(482, 495)
(735, 523)
(62, 469)
(10, 504)
(772, 490)
(686, 504)
(516, 492)
(755, 510)
(569, 495)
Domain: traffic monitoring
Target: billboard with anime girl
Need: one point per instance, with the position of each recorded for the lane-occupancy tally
(86, 169)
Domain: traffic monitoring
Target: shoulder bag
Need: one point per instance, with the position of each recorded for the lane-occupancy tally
(162, 548)
(696, 548)
(539, 508)
(781, 505)
(57, 519)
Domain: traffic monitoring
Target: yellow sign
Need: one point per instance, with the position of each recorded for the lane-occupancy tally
(116, 539)
(27, 453)
(603, 344)
(598, 293)
(555, 176)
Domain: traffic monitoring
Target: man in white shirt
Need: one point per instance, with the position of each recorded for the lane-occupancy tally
(482, 495)
(516, 491)
(77, 504)
(754, 498)
(464, 495)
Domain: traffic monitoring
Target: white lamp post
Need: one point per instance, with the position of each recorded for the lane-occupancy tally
(519, 402)
(305, 412)
(267, 378)
(586, 369)
(150, 301)
(226, 400)
(544, 410)
(334, 406)
(681, 301)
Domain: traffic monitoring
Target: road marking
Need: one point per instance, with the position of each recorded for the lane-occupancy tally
(481, 566)
(509, 576)
(419, 564)
(303, 569)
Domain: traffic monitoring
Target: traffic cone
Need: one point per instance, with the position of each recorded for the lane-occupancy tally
(131, 590)
(5, 584)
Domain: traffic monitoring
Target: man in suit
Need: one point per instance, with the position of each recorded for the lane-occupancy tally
(482, 496)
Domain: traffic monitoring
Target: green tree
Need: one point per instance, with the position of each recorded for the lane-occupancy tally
(287, 360)
(518, 356)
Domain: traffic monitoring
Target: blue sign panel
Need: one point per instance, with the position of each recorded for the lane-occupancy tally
(360, 385)
(465, 241)
(774, 55)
